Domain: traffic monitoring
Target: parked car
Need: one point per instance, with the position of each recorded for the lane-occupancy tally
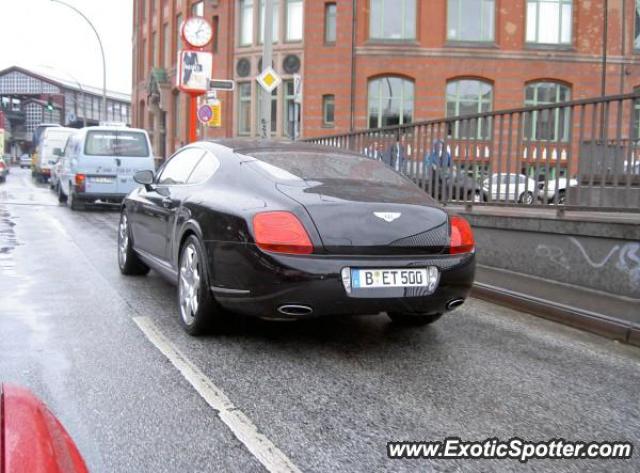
(25, 161)
(4, 170)
(293, 230)
(507, 187)
(99, 164)
(56, 167)
(52, 138)
(549, 188)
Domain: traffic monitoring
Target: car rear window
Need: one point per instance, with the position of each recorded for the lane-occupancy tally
(309, 166)
(116, 143)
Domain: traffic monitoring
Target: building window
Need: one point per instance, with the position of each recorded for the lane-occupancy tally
(177, 119)
(469, 97)
(178, 32)
(274, 23)
(390, 101)
(291, 111)
(197, 9)
(392, 19)
(547, 125)
(154, 49)
(215, 21)
(274, 111)
(636, 43)
(549, 21)
(636, 115)
(294, 20)
(244, 108)
(246, 22)
(166, 45)
(471, 20)
(330, 23)
(328, 110)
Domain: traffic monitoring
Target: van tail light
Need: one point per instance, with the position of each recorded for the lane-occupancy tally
(2, 165)
(461, 236)
(281, 232)
(81, 180)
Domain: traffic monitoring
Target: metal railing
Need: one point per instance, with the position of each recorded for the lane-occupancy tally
(583, 154)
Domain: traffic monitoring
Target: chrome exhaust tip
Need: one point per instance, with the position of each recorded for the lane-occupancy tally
(452, 304)
(294, 310)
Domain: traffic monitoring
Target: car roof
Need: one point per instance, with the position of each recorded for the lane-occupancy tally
(248, 146)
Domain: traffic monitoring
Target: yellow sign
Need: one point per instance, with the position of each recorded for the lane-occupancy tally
(269, 79)
(216, 114)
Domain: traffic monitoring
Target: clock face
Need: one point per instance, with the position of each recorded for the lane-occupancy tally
(197, 32)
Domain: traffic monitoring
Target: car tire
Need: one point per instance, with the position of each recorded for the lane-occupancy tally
(196, 305)
(526, 198)
(129, 262)
(72, 200)
(413, 320)
(61, 197)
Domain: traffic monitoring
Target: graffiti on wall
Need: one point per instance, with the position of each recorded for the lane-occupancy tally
(626, 258)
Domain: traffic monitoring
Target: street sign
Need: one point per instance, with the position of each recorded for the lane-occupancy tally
(221, 84)
(216, 113)
(194, 71)
(269, 79)
(204, 113)
(297, 88)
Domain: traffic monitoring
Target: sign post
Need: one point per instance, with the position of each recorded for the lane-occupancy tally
(265, 109)
(194, 66)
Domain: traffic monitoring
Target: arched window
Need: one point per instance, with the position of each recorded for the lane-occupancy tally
(469, 97)
(390, 101)
(552, 124)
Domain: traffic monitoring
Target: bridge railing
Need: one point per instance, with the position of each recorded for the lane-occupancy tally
(583, 154)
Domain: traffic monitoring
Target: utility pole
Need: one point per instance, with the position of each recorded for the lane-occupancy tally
(265, 109)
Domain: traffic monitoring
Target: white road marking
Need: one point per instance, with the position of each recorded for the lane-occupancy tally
(260, 446)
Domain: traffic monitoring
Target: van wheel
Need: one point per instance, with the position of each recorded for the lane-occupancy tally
(61, 197)
(128, 260)
(72, 200)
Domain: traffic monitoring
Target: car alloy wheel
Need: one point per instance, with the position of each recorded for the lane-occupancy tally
(123, 240)
(189, 284)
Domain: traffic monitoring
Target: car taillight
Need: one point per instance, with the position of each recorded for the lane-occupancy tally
(281, 232)
(81, 179)
(461, 236)
(2, 166)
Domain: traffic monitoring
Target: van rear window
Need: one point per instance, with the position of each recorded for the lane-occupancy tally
(116, 143)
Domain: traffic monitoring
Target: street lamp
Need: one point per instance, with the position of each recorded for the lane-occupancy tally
(104, 62)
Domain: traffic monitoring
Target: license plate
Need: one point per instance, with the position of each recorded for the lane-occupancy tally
(376, 278)
(102, 180)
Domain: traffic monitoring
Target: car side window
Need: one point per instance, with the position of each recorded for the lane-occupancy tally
(206, 168)
(180, 167)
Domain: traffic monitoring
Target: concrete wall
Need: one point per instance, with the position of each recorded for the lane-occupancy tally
(602, 256)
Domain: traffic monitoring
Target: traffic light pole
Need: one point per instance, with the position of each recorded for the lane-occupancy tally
(267, 51)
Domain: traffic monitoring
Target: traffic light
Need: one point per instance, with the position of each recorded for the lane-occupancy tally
(50, 104)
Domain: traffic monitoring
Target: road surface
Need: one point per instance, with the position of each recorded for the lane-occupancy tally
(107, 354)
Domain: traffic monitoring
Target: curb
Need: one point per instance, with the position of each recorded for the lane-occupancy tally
(593, 322)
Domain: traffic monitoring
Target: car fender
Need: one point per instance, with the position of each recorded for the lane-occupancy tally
(190, 225)
(32, 439)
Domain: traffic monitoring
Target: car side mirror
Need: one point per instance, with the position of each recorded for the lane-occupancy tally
(144, 177)
(57, 152)
(51, 161)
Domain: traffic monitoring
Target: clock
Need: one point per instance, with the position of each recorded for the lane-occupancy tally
(197, 32)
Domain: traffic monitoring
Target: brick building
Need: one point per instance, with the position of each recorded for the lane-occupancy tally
(370, 63)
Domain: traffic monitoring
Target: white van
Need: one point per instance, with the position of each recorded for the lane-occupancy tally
(99, 164)
(52, 138)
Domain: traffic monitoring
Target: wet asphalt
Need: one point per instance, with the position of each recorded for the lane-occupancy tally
(329, 393)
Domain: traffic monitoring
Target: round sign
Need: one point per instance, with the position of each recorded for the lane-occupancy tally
(204, 113)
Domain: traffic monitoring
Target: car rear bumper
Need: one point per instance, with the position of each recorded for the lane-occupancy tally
(262, 283)
(104, 197)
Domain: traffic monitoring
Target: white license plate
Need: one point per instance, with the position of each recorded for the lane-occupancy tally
(102, 180)
(375, 278)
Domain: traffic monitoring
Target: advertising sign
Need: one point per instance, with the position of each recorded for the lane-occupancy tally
(194, 71)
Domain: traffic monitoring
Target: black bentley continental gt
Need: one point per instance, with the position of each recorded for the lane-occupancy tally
(283, 230)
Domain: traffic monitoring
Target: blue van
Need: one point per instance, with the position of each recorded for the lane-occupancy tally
(99, 163)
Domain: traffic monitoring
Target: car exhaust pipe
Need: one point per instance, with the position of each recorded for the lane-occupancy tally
(452, 304)
(294, 310)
